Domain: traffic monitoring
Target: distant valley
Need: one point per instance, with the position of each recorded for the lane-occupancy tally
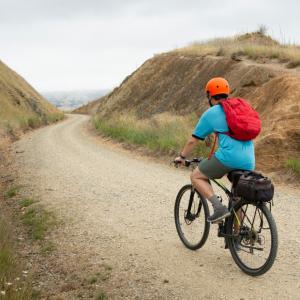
(69, 100)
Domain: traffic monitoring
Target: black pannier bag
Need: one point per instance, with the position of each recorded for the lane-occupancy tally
(255, 187)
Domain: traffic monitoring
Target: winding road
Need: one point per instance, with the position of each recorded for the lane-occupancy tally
(117, 210)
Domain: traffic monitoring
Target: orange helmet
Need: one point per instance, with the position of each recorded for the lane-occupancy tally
(217, 86)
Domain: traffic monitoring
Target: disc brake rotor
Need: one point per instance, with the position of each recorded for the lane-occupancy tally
(251, 237)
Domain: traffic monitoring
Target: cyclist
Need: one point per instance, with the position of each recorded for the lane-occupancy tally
(231, 154)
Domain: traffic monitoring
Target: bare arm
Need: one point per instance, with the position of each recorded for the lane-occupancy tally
(187, 149)
(189, 146)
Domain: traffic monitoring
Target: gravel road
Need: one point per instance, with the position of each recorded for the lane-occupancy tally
(117, 209)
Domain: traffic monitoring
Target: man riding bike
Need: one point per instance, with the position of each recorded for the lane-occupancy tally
(231, 154)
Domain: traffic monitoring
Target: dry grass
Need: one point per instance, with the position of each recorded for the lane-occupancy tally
(252, 45)
(23, 121)
(13, 284)
(162, 133)
(12, 191)
(21, 107)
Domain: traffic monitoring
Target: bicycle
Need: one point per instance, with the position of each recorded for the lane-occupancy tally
(250, 231)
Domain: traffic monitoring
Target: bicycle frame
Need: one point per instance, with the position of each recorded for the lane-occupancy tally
(223, 187)
(231, 203)
(242, 230)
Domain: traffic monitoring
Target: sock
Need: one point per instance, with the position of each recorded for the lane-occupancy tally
(215, 201)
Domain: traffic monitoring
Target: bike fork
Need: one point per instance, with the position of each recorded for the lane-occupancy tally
(191, 201)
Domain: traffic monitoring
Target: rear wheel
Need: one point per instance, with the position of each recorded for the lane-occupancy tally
(191, 212)
(255, 244)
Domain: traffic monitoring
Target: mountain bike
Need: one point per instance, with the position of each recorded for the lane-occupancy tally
(250, 231)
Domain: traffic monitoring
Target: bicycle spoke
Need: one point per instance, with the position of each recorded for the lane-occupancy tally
(253, 218)
(190, 218)
(244, 214)
(255, 241)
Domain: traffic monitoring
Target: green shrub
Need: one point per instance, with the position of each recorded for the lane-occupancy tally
(55, 117)
(34, 122)
(294, 165)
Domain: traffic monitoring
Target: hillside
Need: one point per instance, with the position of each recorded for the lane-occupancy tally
(174, 82)
(21, 107)
(89, 108)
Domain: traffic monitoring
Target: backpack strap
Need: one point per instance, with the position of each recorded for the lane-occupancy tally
(212, 151)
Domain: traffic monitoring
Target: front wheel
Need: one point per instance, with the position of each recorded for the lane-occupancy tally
(191, 212)
(254, 243)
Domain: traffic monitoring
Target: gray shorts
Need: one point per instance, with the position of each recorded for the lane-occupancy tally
(213, 168)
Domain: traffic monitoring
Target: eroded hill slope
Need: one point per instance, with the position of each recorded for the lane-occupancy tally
(174, 82)
(21, 107)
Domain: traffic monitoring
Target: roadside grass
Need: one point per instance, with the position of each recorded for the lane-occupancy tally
(163, 133)
(92, 280)
(101, 276)
(12, 191)
(37, 121)
(48, 248)
(27, 202)
(105, 273)
(101, 295)
(12, 125)
(13, 286)
(55, 117)
(38, 221)
(14, 282)
(255, 45)
(34, 122)
(294, 165)
(36, 218)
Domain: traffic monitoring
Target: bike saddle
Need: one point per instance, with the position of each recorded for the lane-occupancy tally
(235, 175)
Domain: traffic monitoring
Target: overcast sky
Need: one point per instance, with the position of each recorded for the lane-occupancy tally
(94, 44)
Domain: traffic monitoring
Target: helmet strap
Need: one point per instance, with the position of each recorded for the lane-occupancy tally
(209, 99)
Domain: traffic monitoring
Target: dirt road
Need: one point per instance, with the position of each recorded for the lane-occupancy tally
(118, 211)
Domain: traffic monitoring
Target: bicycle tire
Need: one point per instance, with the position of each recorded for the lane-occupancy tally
(274, 242)
(202, 200)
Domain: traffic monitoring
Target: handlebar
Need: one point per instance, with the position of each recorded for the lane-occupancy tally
(189, 162)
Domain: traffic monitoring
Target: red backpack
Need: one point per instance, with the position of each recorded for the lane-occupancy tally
(243, 121)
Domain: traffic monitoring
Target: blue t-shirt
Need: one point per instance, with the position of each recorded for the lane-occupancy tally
(231, 153)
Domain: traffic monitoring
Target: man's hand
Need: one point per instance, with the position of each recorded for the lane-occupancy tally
(179, 160)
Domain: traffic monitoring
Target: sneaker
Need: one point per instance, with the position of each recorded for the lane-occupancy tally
(219, 214)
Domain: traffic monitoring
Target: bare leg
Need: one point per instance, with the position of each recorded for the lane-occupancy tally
(201, 183)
